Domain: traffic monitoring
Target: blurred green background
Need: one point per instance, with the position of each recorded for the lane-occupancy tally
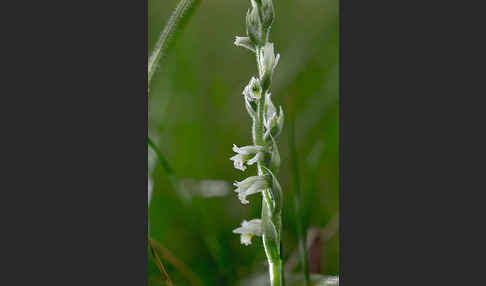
(196, 113)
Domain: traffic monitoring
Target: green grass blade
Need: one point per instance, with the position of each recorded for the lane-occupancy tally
(165, 165)
(302, 233)
(179, 17)
(161, 158)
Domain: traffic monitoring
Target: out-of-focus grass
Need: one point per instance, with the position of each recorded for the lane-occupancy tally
(196, 113)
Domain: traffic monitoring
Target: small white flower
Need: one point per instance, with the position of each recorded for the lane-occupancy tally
(253, 90)
(267, 61)
(245, 42)
(249, 186)
(245, 155)
(239, 161)
(248, 229)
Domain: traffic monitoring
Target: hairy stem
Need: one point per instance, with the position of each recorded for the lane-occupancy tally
(180, 15)
(275, 263)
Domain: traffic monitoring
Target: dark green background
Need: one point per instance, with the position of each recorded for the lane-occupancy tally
(196, 113)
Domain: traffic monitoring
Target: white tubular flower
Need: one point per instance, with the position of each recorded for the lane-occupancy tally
(249, 186)
(245, 42)
(253, 90)
(248, 229)
(247, 154)
(247, 150)
(267, 61)
(239, 161)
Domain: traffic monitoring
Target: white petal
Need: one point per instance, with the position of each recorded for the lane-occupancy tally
(247, 182)
(253, 189)
(244, 42)
(253, 226)
(238, 162)
(247, 150)
(249, 186)
(276, 61)
(246, 239)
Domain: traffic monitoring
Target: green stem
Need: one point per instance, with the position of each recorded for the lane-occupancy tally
(273, 250)
(275, 263)
(276, 273)
(258, 132)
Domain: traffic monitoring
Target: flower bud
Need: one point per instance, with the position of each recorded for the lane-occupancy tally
(275, 192)
(254, 27)
(269, 115)
(280, 122)
(269, 110)
(267, 61)
(272, 122)
(268, 15)
(275, 157)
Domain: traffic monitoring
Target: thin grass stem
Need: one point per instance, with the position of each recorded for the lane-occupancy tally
(160, 265)
(179, 17)
(177, 263)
